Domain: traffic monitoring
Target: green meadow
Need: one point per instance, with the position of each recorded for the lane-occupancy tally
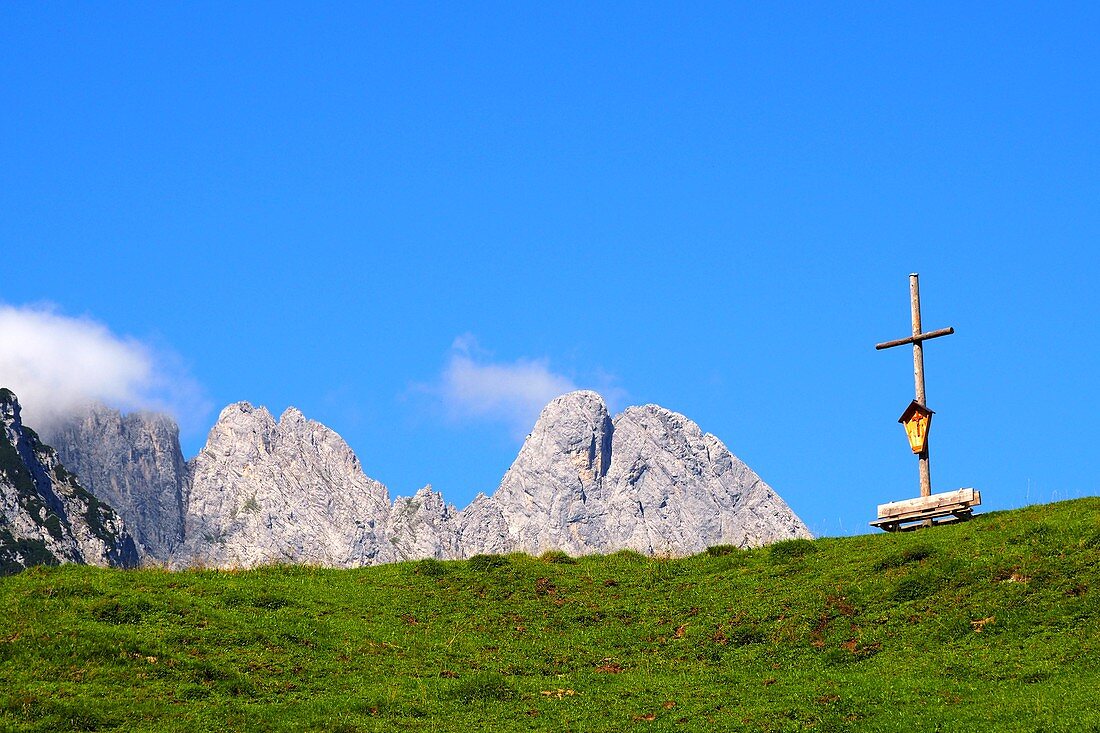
(989, 625)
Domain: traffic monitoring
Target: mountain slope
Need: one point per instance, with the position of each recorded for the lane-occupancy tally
(290, 491)
(134, 463)
(648, 480)
(988, 625)
(46, 517)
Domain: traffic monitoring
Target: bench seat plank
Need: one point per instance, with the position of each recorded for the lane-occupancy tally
(943, 508)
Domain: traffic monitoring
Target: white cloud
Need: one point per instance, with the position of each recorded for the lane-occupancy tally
(515, 392)
(56, 364)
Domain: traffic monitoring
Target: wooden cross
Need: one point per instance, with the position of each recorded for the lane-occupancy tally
(918, 368)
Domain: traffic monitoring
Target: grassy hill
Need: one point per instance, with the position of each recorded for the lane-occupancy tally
(989, 625)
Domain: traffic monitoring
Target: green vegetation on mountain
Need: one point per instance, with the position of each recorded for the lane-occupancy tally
(989, 625)
(15, 553)
(35, 489)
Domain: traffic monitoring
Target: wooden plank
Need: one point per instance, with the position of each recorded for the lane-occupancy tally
(912, 527)
(964, 497)
(922, 516)
(928, 513)
(919, 337)
(915, 516)
(926, 505)
(908, 524)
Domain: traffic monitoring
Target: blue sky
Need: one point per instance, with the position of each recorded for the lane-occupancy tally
(412, 221)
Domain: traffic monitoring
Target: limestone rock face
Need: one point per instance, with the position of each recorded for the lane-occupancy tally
(482, 529)
(46, 516)
(673, 489)
(290, 491)
(134, 463)
(263, 491)
(650, 480)
(422, 527)
(552, 496)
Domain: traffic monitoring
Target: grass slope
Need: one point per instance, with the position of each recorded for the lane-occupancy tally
(990, 625)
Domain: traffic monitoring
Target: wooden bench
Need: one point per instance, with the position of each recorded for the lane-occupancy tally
(943, 508)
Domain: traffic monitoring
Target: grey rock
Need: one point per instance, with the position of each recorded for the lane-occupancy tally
(46, 516)
(134, 463)
(482, 529)
(422, 527)
(290, 491)
(650, 481)
(552, 496)
(673, 489)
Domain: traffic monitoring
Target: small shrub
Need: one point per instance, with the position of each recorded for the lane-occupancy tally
(245, 598)
(482, 686)
(53, 526)
(269, 601)
(916, 587)
(430, 568)
(849, 652)
(723, 550)
(791, 549)
(29, 553)
(120, 610)
(630, 556)
(192, 691)
(659, 571)
(557, 556)
(834, 657)
(746, 634)
(906, 557)
(485, 563)
(237, 686)
(203, 671)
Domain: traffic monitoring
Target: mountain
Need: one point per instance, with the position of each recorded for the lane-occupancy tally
(648, 480)
(423, 526)
(291, 490)
(46, 516)
(134, 463)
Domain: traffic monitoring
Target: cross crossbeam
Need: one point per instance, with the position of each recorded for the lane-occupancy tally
(919, 337)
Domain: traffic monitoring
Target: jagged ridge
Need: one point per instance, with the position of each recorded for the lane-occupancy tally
(649, 480)
(134, 463)
(292, 490)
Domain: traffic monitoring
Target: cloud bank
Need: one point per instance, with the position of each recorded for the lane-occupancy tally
(57, 364)
(472, 386)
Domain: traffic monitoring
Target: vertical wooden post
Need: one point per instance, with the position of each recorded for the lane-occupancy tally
(918, 377)
(917, 339)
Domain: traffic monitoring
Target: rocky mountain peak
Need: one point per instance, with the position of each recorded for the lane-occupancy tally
(46, 516)
(242, 427)
(554, 483)
(422, 526)
(292, 415)
(289, 491)
(648, 480)
(134, 463)
(675, 489)
(9, 406)
(576, 427)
